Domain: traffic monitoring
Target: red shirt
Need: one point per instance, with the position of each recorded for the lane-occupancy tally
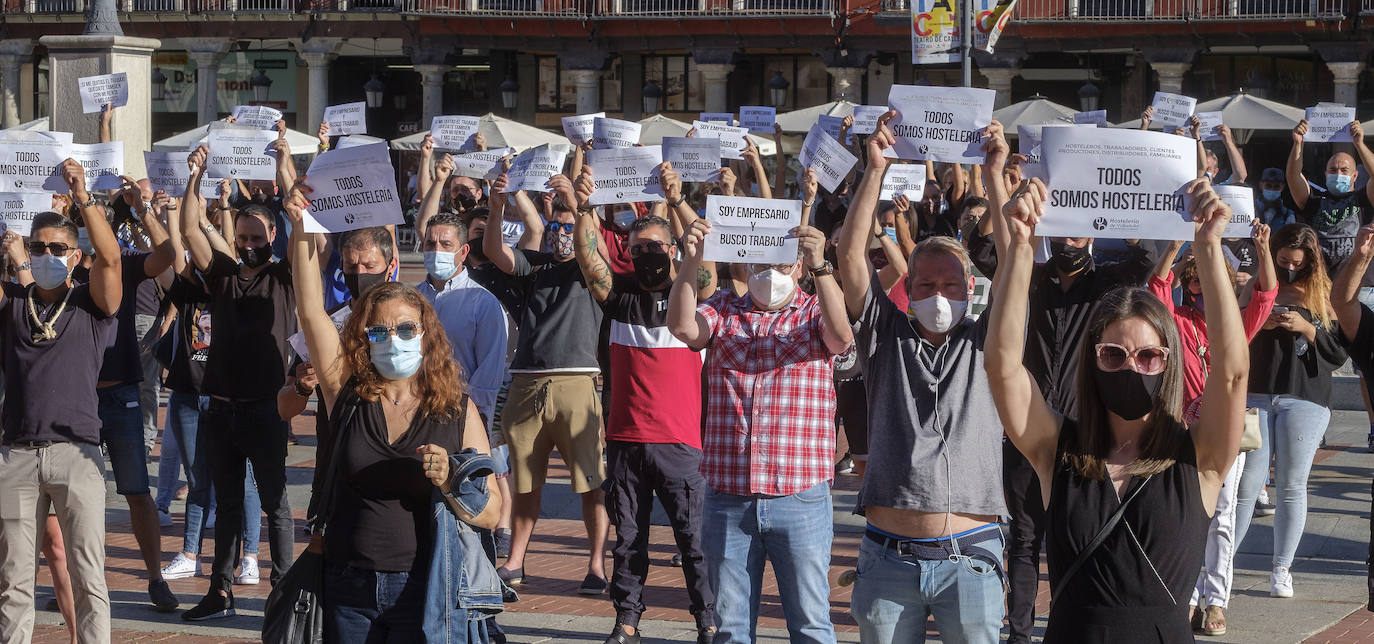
(617, 254)
(655, 377)
(770, 415)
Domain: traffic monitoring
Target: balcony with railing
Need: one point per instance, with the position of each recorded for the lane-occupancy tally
(1031, 11)
(575, 9)
(714, 8)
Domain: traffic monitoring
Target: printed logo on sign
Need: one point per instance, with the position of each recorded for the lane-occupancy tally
(349, 218)
(742, 252)
(925, 149)
(233, 171)
(1100, 223)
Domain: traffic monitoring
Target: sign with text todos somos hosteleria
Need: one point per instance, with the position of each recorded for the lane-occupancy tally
(353, 188)
(939, 123)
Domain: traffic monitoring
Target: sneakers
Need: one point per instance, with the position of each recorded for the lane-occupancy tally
(248, 572)
(845, 466)
(1371, 440)
(164, 518)
(1281, 583)
(511, 577)
(163, 599)
(502, 537)
(212, 606)
(182, 567)
(592, 585)
(619, 636)
(1263, 507)
(706, 635)
(676, 561)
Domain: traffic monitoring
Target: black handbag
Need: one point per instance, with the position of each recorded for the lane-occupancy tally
(294, 613)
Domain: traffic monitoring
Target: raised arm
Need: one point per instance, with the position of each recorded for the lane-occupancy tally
(779, 164)
(162, 257)
(683, 320)
(107, 288)
(1026, 418)
(435, 195)
(835, 328)
(586, 233)
(106, 115)
(423, 178)
(17, 256)
(1297, 184)
(995, 154)
(286, 169)
(889, 275)
(679, 215)
(192, 209)
(493, 247)
(1362, 152)
(1216, 435)
(1239, 173)
(755, 161)
(1346, 289)
(1146, 116)
(851, 248)
(902, 220)
(321, 336)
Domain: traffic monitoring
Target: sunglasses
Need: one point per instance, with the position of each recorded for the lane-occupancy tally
(781, 268)
(1146, 361)
(653, 246)
(57, 248)
(558, 227)
(404, 331)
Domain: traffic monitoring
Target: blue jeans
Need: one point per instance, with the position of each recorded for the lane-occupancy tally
(370, 607)
(121, 429)
(1292, 430)
(179, 452)
(894, 594)
(794, 532)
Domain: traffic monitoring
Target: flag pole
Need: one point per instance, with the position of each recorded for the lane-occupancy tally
(966, 41)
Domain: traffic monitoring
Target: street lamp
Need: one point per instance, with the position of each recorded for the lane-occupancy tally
(777, 89)
(652, 94)
(1088, 95)
(375, 90)
(262, 86)
(159, 81)
(510, 93)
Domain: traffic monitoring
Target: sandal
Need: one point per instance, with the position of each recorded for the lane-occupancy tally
(1215, 621)
(1196, 618)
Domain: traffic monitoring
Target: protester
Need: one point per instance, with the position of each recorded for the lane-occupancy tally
(1270, 207)
(1337, 209)
(1291, 360)
(932, 547)
(55, 335)
(1127, 442)
(769, 436)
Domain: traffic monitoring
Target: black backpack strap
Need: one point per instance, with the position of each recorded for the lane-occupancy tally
(1102, 534)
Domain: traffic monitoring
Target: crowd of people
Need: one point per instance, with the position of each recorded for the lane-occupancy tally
(1143, 394)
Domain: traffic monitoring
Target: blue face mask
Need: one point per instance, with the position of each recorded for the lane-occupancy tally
(439, 264)
(891, 233)
(1339, 183)
(49, 271)
(397, 359)
(1271, 195)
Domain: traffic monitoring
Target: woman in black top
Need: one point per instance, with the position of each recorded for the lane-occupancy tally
(1128, 580)
(390, 380)
(1291, 360)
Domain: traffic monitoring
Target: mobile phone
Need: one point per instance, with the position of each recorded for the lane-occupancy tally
(1280, 309)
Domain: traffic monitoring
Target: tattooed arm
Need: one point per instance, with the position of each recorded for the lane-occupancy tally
(586, 234)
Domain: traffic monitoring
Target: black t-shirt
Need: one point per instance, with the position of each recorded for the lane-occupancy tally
(149, 298)
(1244, 250)
(279, 244)
(1337, 219)
(122, 363)
(191, 337)
(254, 316)
(559, 320)
(498, 283)
(50, 391)
(1361, 347)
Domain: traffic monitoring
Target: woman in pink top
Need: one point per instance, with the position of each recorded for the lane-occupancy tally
(1213, 583)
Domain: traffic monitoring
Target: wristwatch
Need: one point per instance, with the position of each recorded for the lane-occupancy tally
(90, 201)
(679, 201)
(822, 270)
(23, 267)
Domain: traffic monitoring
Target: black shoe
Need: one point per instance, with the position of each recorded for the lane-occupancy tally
(1371, 443)
(593, 585)
(619, 636)
(845, 466)
(212, 606)
(706, 635)
(163, 599)
(511, 577)
(502, 537)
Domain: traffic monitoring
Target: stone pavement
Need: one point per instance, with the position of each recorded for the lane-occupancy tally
(1329, 573)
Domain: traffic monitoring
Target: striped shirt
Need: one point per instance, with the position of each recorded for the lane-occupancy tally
(655, 378)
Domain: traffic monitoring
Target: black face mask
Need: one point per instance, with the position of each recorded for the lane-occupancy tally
(465, 201)
(358, 283)
(475, 250)
(652, 268)
(1126, 393)
(256, 256)
(1291, 275)
(1068, 259)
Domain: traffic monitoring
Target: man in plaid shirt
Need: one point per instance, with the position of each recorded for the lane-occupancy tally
(770, 433)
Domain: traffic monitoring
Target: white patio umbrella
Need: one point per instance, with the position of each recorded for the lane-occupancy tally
(800, 121)
(300, 142)
(1036, 110)
(653, 129)
(1244, 113)
(500, 132)
(36, 125)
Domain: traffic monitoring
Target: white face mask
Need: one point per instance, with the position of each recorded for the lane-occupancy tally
(770, 289)
(936, 313)
(624, 218)
(50, 271)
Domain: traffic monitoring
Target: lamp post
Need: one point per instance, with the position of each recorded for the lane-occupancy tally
(510, 95)
(159, 84)
(652, 94)
(777, 89)
(375, 90)
(1088, 95)
(262, 86)
(102, 18)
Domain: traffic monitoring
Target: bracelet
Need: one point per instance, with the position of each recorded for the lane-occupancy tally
(807, 204)
(822, 270)
(208, 228)
(23, 267)
(679, 201)
(303, 393)
(90, 201)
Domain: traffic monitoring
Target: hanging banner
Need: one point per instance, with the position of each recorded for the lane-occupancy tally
(758, 119)
(1328, 124)
(935, 33)
(168, 172)
(750, 230)
(1117, 184)
(353, 188)
(939, 123)
(578, 129)
(1241, 199)
(732, 139)
(99, 91)
(904, 179)
(258, 116)
(695, 159)
(1172, 110)
(822, 153)
(481, 165)
(990, 23)
(533, 168)
(17, 210)
(454, 132)
(625, 175)
(614, 133)
(348, 118)
(241, 153)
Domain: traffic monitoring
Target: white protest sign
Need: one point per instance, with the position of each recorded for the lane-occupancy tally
(613, 133)
(732, 139)
(258, 116)
(454, 132)
(758, 119)
(825, 155)
(99, 91)
(1028, 145)
(832, 125)
(1208, 122)
(28, 163)
(866, 118)
(297, 340)
(1116, 184)
(1328, 124)
(718, 117)
(904, 179)
(1095, 117)
(535, 166)
(1172, 110)
(939, 123)
(480, 165)
(17, 210)
(167, 171)
(353, 188)
(695, 159)
(1241, 199)
(241, 153)
(625, 175)
(749, 230)
(104, 162)
(578, 129)
(348, 118)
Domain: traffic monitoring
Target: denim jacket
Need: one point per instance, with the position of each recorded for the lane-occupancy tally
(463, 587)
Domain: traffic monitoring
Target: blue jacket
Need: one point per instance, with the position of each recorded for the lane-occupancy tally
(463, 588)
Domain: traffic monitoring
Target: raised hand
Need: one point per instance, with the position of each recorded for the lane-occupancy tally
(1210, 213)
(195, 161)
(443, 169)
(995, 147)
(1356, 131)
(809, 186)
(694, 240)
(323, 134)
(727, 182)
(1024, 209)
(561, 187)
(671, 181)
(1364, 241)
(426, 146)
(1147, 116)
(74, 176)
(1260, 233)
(297, 202)
(812, 243)
(585, 186)
(880, 140)
(1299, 131)
(1195, 126)
(901, 203)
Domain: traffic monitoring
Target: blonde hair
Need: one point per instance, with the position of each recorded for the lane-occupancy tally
(939, 244)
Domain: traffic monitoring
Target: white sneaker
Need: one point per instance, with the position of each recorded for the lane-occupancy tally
(1263, 496)
(182, 567)
(1280, 583)
(164, 518)
(248, 572)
